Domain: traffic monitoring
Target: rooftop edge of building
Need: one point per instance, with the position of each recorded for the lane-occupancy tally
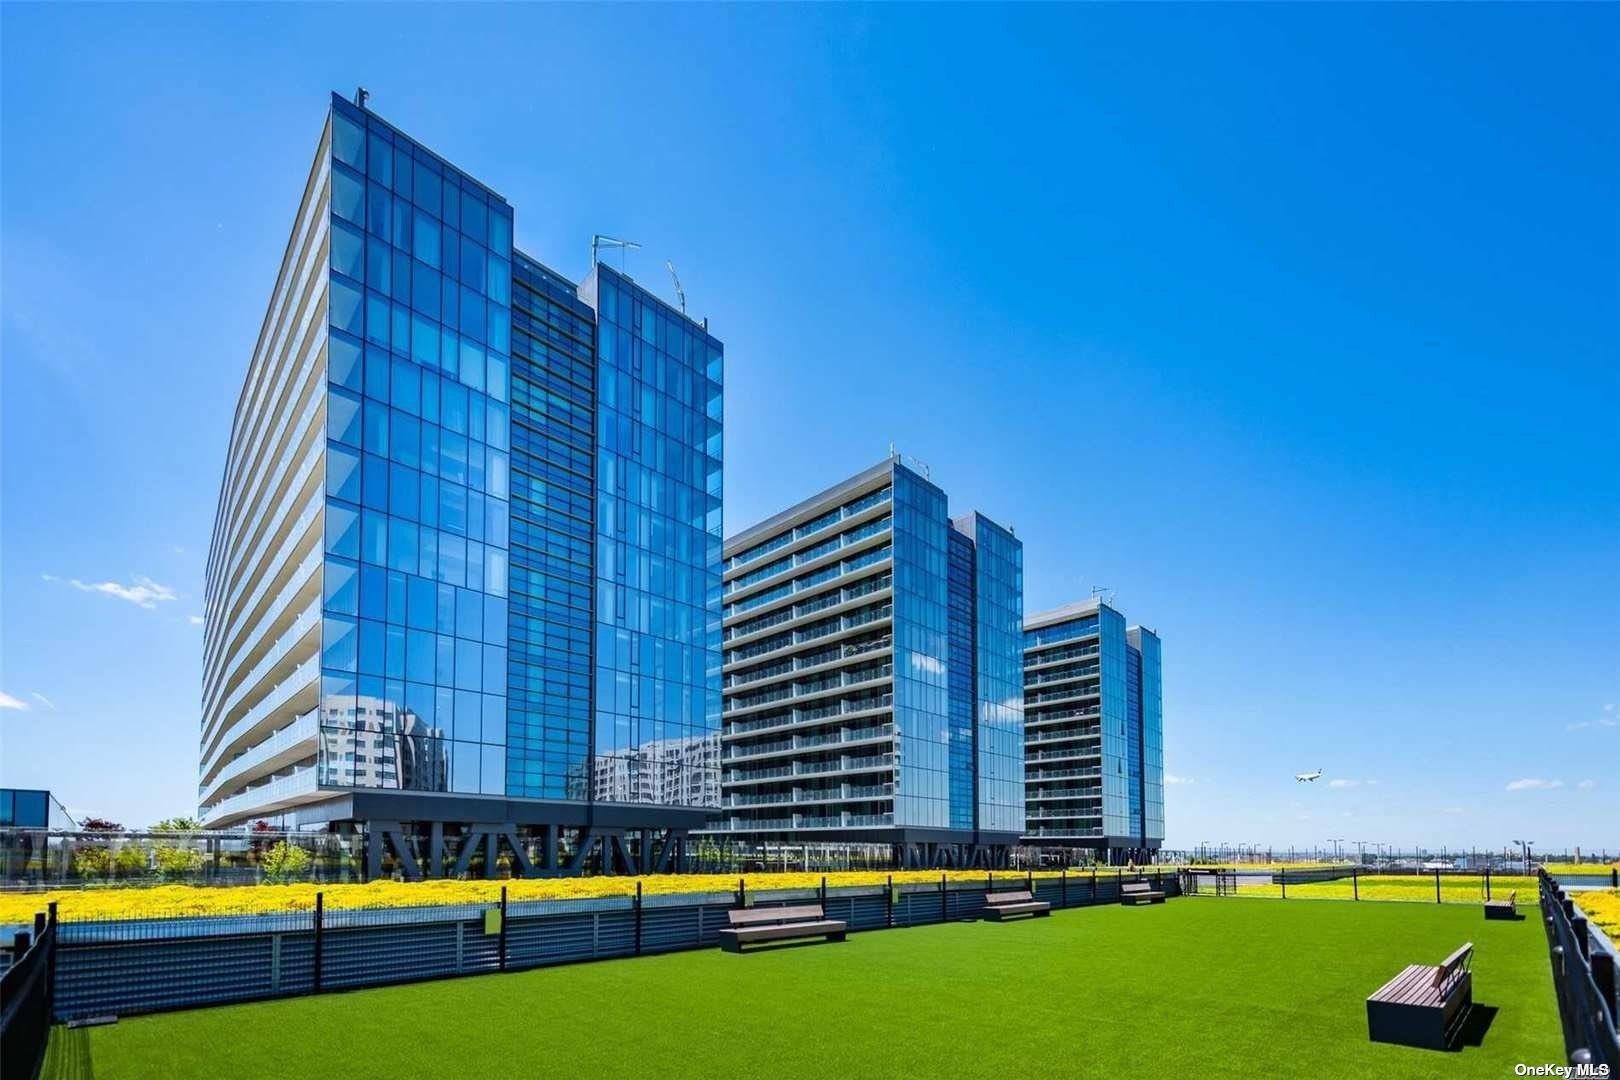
(803, 510)
(343, 104)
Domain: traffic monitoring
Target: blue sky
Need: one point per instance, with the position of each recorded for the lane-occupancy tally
(1295, 325)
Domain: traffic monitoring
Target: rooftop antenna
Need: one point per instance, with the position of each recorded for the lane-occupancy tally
(361, 96)
(599, 241)
(680, 293)
(1100, 591)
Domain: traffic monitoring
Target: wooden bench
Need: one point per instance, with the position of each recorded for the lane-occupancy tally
(1424, 1005)
(1005, 903)
(1138, 892)
(778, 924)
(1503, 909)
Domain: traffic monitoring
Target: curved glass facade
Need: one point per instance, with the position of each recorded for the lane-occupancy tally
(453, 474)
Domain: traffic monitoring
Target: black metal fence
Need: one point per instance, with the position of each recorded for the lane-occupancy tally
(113, 967)
(1584, 976)
(25, 999)
(1358, 883)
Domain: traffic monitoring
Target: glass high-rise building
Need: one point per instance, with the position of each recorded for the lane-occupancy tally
(466, 558)
(1093, 732)
(873, 678)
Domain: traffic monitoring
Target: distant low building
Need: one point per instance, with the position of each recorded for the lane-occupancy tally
(31, 808)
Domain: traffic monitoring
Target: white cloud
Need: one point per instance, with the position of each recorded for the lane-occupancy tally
(1608, 720)
(43, 700)
(1587, 785)
(194, 620)
(1346, 783)
(143, 593)
(9, 702)
(1534, 784)
(1172, 778)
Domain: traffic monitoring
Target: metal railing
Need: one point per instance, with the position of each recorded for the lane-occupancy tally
(1584, 978)
(26, 991)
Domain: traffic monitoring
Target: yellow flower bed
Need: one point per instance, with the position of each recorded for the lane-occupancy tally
(1557, 868)
(173, 900)
(1602, 907)
(1454, 889)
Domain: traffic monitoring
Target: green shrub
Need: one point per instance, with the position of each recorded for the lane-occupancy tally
(285, 863)
(130, 861)
(91, 862)
(174, 862)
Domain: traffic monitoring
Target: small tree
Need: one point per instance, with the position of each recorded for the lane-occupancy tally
(285, 862)
(177, 824)
(130, 861)
(176, 862)
(92, 862)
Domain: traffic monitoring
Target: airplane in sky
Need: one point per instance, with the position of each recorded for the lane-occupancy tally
(1307, 777)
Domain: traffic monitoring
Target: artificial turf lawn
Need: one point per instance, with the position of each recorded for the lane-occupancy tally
(1194, 987)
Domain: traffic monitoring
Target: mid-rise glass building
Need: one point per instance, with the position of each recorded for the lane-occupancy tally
(1093, 732)
(872, 686)
(467, 545)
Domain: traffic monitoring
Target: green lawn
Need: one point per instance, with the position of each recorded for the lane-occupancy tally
(1195, 987)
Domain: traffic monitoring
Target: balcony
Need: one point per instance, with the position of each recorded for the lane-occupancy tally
(286, 743)
(1089, 671)
(277, 794)
(822, 684)
(1072, 653)
(1065, 694)
(1072, 753)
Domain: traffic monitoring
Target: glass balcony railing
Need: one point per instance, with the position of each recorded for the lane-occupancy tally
(1068, 693)
(1072, 653)
(290, 638)
(303, 676)
(1084, 671)
(299, 731)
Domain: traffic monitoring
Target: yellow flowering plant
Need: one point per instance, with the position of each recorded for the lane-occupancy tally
(168, 901)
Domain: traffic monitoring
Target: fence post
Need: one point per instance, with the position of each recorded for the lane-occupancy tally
(1603, 975)
(943, 915)
(1029, 882)
(1093, 883)
(320, 912)
(503, 927)
(50, 961)
(1355, 884)
(1063, 879)
(1583, 943)
(638, 916)
(1282, 876)
(1437, 886)
(1487, 883)
(742, 893)
(823, 894)
(888, 901)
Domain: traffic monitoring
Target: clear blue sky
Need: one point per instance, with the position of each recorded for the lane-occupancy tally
(1295, 325)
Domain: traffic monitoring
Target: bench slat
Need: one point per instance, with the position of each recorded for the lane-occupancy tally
(755, 916)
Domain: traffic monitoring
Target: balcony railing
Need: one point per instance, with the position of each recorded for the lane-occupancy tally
(1038, 678)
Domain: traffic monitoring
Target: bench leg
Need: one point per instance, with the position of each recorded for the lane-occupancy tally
(836, 937)
(731, 944)
(1043, 914)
